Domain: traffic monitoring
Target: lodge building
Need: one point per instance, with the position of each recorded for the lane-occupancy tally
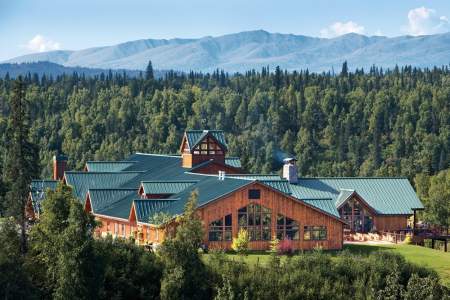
(126, 197)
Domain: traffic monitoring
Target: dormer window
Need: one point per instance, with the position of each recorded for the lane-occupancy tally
(203, 145)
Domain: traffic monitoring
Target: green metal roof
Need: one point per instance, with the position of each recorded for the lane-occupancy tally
(209, 189)
(326, 205)
(145, 208)
(194, 137)
(281, 185)
(343, 196)
(166, 186)
(233, 162)
(81, 182)
(386, 195)
(108, 166)
(104, 198)
(256, 176)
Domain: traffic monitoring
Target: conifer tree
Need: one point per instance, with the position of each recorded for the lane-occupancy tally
(22, 158)
(149, 71)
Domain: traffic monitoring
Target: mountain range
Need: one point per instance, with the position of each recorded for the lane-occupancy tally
(242, 51)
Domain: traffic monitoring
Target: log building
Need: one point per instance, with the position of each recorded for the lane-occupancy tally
(127, 197)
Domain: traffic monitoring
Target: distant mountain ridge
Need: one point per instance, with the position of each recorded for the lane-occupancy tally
(52, 69)
(242, 51)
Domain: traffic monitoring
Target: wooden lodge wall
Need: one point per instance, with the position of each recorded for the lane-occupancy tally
(390, 223)
(279, 204)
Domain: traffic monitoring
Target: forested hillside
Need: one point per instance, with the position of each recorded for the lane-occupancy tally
(362, 123)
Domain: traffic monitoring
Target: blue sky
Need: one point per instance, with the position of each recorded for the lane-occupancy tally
(42, 25)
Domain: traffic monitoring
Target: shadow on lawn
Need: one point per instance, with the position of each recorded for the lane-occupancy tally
(366, 249)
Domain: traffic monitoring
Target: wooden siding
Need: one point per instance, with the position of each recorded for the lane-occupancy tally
(390, 223)
(143, 234)
(279, 204)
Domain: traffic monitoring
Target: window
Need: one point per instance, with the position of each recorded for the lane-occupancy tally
(254, 194)
(107, 227)
(256, 219)
(315, 233)
(287, 228)
(220, 230)
(116, 229)
(147, 233)
(123, 230)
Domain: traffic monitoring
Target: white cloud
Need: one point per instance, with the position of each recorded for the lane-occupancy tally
(424, 20)
(41, 44)
(340, 28)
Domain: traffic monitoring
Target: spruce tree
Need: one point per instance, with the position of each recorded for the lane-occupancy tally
(22, 158)
(149, 71)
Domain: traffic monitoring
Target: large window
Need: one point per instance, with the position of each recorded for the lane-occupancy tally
(256, 219)
(208, 147)
(315, 233)
(287, 228)
(220, 230)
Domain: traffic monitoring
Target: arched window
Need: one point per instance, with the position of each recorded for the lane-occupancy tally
(220, 230)
(287, 228)
(256, 219)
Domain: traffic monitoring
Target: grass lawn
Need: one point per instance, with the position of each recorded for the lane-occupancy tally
(433, 259)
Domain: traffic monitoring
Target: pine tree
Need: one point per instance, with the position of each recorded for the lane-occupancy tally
(149, 71)
(185, 275)
(22, 158)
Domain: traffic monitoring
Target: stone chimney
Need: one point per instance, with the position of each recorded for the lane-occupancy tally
(59, 166)
(290, 170)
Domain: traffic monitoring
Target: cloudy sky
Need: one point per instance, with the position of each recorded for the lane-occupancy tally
(44, 25)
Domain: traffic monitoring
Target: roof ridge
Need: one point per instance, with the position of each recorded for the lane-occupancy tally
(113, 189)
(154, 200)
(356, 177)
(157, 154)
(104, 172)
(111, 161)
(168, 181)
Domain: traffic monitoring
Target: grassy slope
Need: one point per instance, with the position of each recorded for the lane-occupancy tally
(434, 259)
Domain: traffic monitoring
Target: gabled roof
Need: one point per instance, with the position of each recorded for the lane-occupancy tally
(280, 185)
(108, 166)
(386, 195)
(145, 208)
(101, 199)
(81, 182)
(209, 189)
(343, 196)
(194, 137)
(166, 186)
(256, 176)
(326, 205)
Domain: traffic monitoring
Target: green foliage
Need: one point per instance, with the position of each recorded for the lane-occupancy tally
(129, 272)
(373, 123)
(14, 281)
(434, 191)
(21, 158)
(241, 242)
(61, 257)
(160, 218)
(318, 275)
(185, 275)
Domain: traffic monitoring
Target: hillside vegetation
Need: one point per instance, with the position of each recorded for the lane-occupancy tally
(354, 124)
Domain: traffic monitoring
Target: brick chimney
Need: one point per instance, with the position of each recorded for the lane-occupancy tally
(290, 170)
(59, 166)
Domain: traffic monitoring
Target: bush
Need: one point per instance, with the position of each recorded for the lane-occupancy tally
(241, 242)
(286, 247)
